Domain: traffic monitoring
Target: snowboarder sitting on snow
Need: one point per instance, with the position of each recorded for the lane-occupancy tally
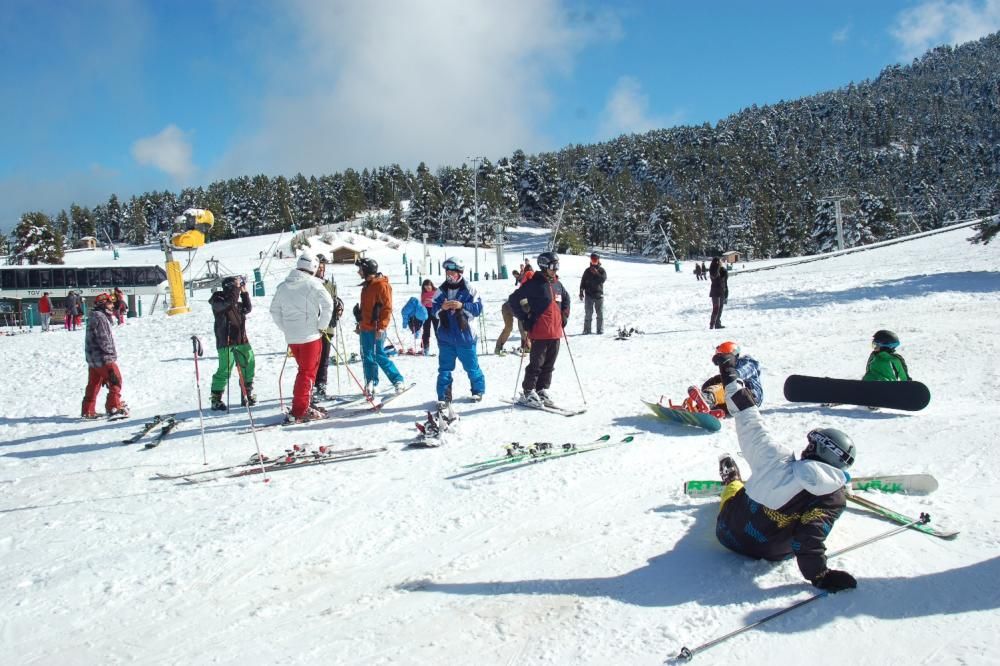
(543, 304)
(787, 506)
(884, 363)
(415, 314)
(748, 370)
(457, 304)
(99, 349)
(231, 305)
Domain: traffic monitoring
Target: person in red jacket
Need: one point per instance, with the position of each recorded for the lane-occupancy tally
(45, 310)
(542, 303)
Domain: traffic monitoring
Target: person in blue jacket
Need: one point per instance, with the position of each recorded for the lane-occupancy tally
(414, 316)
(748, 370)
(457, 305)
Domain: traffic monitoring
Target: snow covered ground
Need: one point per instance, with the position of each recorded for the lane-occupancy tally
(591, 559)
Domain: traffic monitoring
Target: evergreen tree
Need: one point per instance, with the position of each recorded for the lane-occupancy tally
(35, 241)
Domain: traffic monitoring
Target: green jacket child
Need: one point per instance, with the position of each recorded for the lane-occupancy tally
(884, 363)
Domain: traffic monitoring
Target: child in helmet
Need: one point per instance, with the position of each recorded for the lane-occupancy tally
(231, 305)
(884, 363)
(748, 370)
(457, 304)
(801, 499)
(102, 362)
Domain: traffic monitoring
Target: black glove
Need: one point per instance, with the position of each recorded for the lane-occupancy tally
(833, 580)
(727, 367)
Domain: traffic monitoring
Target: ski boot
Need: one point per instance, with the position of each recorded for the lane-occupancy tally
(217, 404)
(249, 398)
(729, 471)
(546, 399)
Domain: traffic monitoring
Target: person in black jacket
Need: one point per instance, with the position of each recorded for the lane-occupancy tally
(592, 294)
(230, 307)
(787, 507)
(719, 291)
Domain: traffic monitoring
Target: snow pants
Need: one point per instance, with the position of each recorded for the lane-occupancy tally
(229, 356)
(591, 306)
(307, 358)
(538, 374)
(447, 353)
(429, 323)
(107, 375)
(716, 320)
(46, 318)
(326, 343)
(508, 327)
(373, 357)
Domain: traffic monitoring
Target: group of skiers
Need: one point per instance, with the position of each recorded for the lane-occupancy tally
(801, 497)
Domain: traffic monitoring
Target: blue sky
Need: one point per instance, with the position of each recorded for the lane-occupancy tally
(103, 96)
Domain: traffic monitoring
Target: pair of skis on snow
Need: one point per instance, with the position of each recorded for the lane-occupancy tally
(910, 484)
(166, 424)
(294, 458)
(338, 409)
(518, 455)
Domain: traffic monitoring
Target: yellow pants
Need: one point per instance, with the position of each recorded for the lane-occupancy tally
(728, 492)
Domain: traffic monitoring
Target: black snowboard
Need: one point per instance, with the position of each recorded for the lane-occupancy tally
(909, 396)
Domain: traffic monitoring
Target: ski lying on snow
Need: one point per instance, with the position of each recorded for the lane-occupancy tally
(290, 454)
(539, 451)
(362, 454)
(158, 420)
(168, 426)
(562, 411)
(911, 484)
(897, 517)
(332, 414)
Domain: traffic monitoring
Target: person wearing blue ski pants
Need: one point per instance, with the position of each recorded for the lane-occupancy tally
(447, 353)
(373, 357)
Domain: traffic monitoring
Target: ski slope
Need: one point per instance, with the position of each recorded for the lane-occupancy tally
(590, 559)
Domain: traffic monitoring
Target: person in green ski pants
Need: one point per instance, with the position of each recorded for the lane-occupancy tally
(230, 307)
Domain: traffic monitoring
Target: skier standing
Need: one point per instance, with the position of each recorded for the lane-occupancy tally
(301, 308)
(121, 305)
(374, 314)
(718, 292)
(543, 304)
(592, 294)
(72, 310)
(457, 304)
(801, 499)
(427, 293)
(884, 363)
(45, 310)
(231, 305)
(327, 334)
(102, 362)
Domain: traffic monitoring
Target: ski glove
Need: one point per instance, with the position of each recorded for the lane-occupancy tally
(833, 580)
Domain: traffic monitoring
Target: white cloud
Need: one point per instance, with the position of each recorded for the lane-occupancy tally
(938, 22)
(840, 36)
(399, 82)
(627, 111)
(169, 151)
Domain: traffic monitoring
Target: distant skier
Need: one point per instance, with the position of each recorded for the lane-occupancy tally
(301, 308)
(231, 305)
(697, 271)
(414, 316)
(374, 313)
(718, 292)
(45, 310)
(102, 362)
(543, 304)
(121, 305)
(592, 294)
(457, 304)
(884, 363)
(72, 306)
(427, 293)
(747, 368)
(787, 506)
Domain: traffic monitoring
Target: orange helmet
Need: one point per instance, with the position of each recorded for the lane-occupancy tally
(102, 299)
(728, 347)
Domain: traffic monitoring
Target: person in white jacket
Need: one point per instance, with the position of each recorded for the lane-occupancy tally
(302, 308)
(787, 507)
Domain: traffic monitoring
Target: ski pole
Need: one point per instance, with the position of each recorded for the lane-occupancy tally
(688, 653)
(578, 382)
(198, 351)
(369, 398)
(253, 426)
(281, 395)
(395, 328)
(517, 380)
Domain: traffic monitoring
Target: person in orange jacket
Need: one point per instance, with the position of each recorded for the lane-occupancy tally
(374, 313)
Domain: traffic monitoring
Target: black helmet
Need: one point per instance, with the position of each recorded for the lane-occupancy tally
(367, 266)
(885, 338)
(548, 260)
(831, 446)
(230, 282)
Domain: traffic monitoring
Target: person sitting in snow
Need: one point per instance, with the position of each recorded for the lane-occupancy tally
(748, 370)
(884, 363)
(787, 507)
